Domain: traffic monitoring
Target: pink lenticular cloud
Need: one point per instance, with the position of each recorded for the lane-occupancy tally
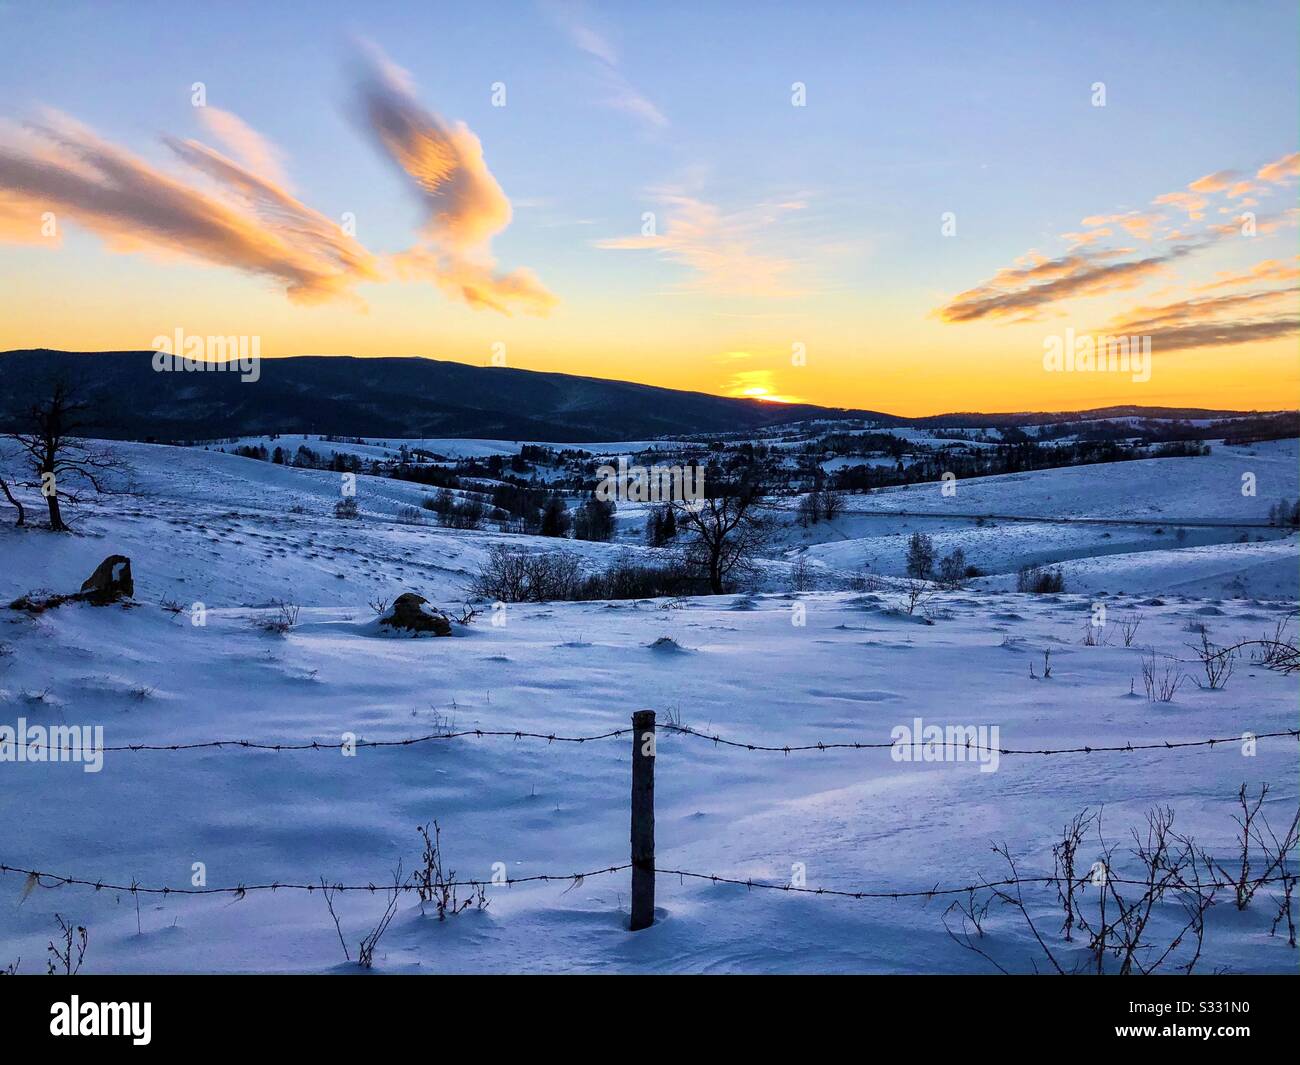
(465, 206)
(237, 210)
(248, 224)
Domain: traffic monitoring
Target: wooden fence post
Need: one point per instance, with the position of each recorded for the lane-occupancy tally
(643, 820)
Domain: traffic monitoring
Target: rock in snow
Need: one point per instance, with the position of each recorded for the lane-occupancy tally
(411, 611)
(110, 581)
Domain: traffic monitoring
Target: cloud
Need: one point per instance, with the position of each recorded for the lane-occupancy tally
(21, 221)
(1264, 271)
(1142, 319)
(1212, 321)
(1139, 224)
(1022, 293)
(1262, 224)
(237, 210)
(1216, 334)
(443, 161)
(1216, 182)
(620, 93)
(464, 205)
(1193, 204)
(593, 43)
(1089, 236)
(1280, 169)
(475, 283)
(248, 146)
(721, 249)
(247, 222)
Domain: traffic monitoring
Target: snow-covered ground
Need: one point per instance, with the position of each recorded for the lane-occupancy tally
(1205, 488)
(448, 447)
(771, 667)
(1183, 534)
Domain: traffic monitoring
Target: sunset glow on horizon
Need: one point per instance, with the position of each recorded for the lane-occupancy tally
(603, 191)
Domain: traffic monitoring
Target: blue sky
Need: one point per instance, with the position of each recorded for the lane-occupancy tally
(817, 225)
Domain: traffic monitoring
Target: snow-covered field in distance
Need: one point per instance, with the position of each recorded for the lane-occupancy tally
(448, 447)
(235, 535)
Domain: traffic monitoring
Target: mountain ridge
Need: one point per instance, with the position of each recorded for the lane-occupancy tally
(416, 396)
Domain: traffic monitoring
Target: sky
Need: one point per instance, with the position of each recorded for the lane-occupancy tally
(883, 206)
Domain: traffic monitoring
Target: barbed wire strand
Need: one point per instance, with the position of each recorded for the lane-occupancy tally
(59, 880)
(683, 730)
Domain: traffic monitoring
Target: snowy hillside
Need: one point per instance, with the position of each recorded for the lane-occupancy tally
(770, 667)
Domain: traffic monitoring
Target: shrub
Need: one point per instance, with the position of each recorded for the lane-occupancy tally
(512, 576)
(1041, 580)
(66, 959)
(920, 556)
(952, 569)
(282, 621)
(516, 577)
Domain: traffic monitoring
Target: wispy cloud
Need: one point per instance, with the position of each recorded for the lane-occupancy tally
(1087, 236)
(1027, 290)
(464, 205)
(1263, 271)
(620, 93)
(237, 210)
(1216, 182)
(1022, 293)
(1190, 202)
(21, 221)
(247, 145)
(248, 222)
(1144, 319)
(1280, 170)
(1212, 321)
(1138, 224)
(722, 249)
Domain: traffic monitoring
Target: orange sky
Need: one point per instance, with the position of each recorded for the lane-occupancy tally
(878, 242)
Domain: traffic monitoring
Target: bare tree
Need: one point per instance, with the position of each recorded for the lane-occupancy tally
(14, 501)
(723, 532)
(63, 462)
(10, 459)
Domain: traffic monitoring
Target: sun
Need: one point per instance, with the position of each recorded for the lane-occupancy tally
(757, 384)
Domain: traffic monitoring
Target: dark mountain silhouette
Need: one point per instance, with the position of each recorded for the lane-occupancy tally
(418, 397)
(398, 397)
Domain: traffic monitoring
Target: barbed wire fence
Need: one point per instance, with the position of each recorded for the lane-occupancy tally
(716, 739)
(642, 865)
(45, 879)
